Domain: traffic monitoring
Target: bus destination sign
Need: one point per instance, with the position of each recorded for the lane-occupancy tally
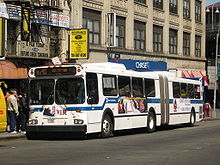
(55, 71)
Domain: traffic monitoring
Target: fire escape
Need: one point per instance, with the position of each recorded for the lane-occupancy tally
(34, 33)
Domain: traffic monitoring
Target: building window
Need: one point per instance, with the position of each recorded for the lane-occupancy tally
(139, 35)
(198, 46)
(198, 11)
(35, 32)
(140, 1)
(91, 21)
(54, 41)
(186, 44)
(12, 34)
(186, 8)
(173, 6)
(120, 32)
(158, 4)
(173, 41)
(157, 38)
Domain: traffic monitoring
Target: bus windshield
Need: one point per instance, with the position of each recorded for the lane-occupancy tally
(42, 91)
(70, 91)
(67, 91)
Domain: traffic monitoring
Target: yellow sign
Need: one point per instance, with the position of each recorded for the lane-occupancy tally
(79, 44)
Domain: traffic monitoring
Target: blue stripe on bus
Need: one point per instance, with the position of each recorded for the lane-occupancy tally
(196, 101)
(116, 100)
(151, 100)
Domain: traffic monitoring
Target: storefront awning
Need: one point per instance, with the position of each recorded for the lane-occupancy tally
(8, 70)
(192, 74)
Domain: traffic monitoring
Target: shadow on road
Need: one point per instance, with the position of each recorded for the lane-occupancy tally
(71, 136)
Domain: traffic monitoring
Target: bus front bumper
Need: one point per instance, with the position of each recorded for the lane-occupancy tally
(57, 129)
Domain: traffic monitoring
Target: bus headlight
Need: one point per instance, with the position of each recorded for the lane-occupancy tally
(32, 121)
(78, 121)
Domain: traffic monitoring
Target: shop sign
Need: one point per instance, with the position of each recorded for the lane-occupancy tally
(34, 50)
(52, 19)
(3, 10)
(59, 20)
(14, 12)
(79, 44)
(142, 66)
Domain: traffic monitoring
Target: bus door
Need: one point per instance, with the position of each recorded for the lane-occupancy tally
(164, 99)
(93, 99)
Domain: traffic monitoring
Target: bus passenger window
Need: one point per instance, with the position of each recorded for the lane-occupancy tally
(149, 88)
(109, 85)
(124, 86)
(176, 90)
(137, 86)
(190, 91)
(197, 91)
(92, 88)
(183, 90)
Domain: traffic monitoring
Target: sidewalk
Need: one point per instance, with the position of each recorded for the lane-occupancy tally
(7, 135)
(213, 117)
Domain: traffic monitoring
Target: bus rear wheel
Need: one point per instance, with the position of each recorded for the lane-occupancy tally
(192, 119)
(151, 122)
(107, 127)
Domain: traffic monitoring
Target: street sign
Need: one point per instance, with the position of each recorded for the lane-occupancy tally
(79, 44)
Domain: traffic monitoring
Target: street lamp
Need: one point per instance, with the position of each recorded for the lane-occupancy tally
(216, 59)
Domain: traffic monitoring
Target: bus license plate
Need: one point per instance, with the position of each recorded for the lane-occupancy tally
(50, 120)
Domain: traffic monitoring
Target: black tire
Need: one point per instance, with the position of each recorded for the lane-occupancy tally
(192, 119)
(107, 127)
(32, 136)
(151, 122)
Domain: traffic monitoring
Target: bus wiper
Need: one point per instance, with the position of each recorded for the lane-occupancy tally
(61, 101)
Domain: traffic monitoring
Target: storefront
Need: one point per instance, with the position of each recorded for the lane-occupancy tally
(13, 76)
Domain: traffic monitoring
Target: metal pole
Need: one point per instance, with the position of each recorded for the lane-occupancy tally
(216, 76)
(212, 17)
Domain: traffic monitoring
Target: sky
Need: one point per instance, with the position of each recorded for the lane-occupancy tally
(208, 2)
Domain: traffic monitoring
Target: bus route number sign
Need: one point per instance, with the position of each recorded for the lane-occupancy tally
(55, 71)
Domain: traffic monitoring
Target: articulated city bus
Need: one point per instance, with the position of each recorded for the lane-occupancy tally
(106, 97)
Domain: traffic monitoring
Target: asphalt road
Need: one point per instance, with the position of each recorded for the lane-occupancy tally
(199, 145)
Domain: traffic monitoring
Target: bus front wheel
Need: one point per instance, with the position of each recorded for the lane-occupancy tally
(151, 122)
(107, 127)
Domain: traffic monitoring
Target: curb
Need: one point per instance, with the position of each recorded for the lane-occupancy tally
(210, 119)
(10, 137)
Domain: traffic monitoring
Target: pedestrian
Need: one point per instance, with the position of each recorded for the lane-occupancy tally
(21, 119)
(207, 109)
(12, 109)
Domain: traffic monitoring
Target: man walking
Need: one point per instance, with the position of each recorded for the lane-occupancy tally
(12, 108)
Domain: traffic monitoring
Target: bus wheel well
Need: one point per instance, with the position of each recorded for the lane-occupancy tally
(151, 121)
(108, 111)
(152, 111)
(192, 117)
(193, 111)
(107, 127)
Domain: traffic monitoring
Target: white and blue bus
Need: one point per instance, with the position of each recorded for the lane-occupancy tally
(106, 97)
